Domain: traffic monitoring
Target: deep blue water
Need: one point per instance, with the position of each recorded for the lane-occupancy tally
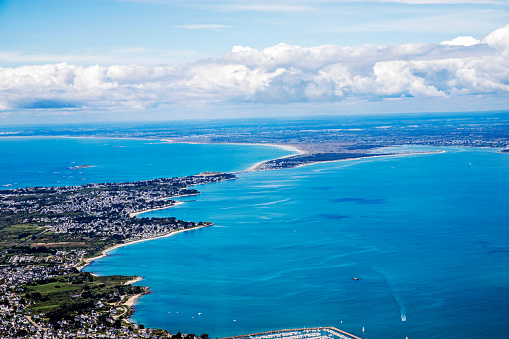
(427, 235)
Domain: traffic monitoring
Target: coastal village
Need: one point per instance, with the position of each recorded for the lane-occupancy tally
(50, 233)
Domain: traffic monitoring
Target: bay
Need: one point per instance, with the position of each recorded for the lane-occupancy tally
(33, 161)
(427, 235)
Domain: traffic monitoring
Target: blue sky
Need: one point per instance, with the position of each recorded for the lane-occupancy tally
(162, 59)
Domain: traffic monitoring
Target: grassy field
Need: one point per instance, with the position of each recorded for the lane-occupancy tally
(76, 293)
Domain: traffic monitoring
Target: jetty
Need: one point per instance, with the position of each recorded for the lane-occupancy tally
(300, 333)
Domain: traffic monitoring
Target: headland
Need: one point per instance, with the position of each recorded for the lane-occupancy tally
(51, 233)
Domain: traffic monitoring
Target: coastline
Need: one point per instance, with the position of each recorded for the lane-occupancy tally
(133, 281)
(374, 156)
(131, 301)
(250, 169)
(254, 168)
(292, 148)
(164, 140)
(104, 252)
(132, 215)
(286, 147)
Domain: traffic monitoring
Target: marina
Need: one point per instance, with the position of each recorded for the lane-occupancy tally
(300, 333)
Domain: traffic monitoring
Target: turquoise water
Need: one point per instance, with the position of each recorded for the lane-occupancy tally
(47, 161)
(427, 235)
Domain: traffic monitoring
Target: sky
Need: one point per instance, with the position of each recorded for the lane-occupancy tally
(112, 60)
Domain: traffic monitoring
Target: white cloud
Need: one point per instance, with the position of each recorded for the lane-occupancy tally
(278, 74)
(462, 41)
(498, 39)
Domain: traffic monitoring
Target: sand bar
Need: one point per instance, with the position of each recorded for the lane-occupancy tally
(132, 281)
(255, 167)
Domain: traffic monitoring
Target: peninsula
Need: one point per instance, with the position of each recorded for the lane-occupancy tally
(50, 233)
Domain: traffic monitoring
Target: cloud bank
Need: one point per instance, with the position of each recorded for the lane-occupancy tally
(461, 67)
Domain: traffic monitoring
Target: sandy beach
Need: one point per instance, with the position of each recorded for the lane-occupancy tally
(290, 148)
(132, 300)
(105, 252)
(132, 281)
(157, 209)
(285, 147)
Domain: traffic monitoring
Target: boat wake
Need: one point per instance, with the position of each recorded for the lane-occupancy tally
(397, 299)
(403, 313)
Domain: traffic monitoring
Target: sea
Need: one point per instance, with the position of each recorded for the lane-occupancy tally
(426, 237)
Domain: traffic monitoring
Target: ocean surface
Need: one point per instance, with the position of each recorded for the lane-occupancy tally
(427, 235)
(31, 161)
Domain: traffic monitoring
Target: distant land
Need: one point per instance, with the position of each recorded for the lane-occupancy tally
(318, 139)
(323, 134)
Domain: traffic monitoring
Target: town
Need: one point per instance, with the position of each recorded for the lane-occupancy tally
(50, 233)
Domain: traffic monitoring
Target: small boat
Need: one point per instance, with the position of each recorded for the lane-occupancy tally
(356, 278)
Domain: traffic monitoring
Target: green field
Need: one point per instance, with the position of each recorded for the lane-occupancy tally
(66, 296)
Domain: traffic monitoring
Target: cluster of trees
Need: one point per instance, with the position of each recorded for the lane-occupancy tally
(31, 250)
(67, 311)
(189, 336)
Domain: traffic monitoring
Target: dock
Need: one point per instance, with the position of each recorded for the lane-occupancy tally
(300, 333)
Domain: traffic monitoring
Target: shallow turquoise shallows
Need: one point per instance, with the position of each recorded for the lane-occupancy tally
(427, 235)
(48, 161)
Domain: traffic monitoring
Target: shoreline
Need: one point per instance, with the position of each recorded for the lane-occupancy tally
(133, 281)
(253, 168)
(104, 253)
(250, 169)
(287, 147)
(164, 140)
(132, 215)
(131, 302)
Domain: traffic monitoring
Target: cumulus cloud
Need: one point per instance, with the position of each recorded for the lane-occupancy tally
(462, 41)
(278, 74)
(498, 39)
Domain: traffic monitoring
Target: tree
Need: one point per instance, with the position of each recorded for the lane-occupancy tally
(21, 333)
